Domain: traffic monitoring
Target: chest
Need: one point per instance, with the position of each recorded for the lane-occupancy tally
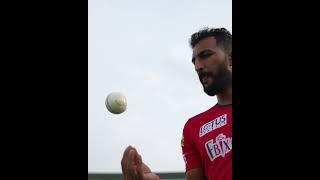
(214, 138)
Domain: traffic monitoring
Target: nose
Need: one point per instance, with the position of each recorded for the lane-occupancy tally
(198, 65)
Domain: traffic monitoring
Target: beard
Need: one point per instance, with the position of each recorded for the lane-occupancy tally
(221, 80)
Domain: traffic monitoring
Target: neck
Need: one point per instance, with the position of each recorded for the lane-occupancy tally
(225, 98)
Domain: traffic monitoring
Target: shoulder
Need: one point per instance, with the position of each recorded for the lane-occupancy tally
(193, 121)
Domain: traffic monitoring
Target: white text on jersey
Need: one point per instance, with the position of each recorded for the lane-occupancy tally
(221, 147)
(212, 125)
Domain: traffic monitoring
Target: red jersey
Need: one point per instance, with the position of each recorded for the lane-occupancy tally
(207, 143)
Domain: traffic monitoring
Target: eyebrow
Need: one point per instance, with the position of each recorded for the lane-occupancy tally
(201, 53)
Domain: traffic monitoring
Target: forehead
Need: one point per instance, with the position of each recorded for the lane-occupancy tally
(206, 43)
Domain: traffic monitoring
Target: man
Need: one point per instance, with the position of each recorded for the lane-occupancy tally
(207, 137)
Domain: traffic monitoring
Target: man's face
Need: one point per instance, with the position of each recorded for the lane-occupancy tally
(213, 66)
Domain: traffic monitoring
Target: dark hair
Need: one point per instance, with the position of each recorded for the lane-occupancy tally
(222, 36)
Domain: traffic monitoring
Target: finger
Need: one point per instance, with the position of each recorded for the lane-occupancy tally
(131, 165)
(136, 155)
(145, 168)
(139, 160)
(124, 160)
(140, 169)
(129, 168)
(125, 154)
(132, 156)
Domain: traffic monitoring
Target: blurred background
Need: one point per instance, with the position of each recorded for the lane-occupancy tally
(140, 48)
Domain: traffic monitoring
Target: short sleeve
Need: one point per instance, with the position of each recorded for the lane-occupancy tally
(190, 152)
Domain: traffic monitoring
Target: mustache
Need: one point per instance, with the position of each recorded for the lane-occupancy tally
(203, 74)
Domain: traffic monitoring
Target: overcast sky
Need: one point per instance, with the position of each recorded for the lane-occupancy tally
(140, 48)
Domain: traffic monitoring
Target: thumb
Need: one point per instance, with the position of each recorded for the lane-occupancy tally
(139, 165)
(139, 160)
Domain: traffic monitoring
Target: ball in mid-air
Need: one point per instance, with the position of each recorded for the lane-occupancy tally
(116, 103)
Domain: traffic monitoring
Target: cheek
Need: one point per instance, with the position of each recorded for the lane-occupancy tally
(214, 61)
(213, 68)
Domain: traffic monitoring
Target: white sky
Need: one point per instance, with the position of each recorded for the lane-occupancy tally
(140, 48)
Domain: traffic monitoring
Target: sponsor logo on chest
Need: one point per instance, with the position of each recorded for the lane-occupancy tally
(220, 147)
(212, 125)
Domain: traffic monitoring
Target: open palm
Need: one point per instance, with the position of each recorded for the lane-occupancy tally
(133, 168)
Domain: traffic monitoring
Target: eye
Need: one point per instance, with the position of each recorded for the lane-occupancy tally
(193, 59)
(205, 55)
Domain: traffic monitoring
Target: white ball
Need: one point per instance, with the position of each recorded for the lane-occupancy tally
(116, 103)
